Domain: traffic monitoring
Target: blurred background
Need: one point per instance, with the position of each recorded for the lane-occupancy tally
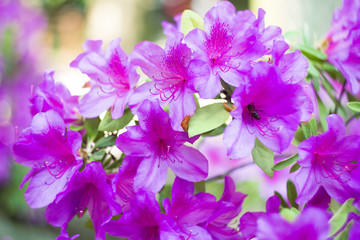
(37, 35)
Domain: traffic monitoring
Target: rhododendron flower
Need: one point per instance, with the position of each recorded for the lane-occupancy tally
(160, 147)
(310, 224)
(268, 109)
(173, 72)
(113, 78)
(169, 29)
(144, 221)
(230, 42)
(292, 67)
(51, 153)
(343, 40)
(123, 181)
(190, 210)
(87, 189)
(331, 160)
(65, 236)
(229, 207)
(248, 221)
(51, 95)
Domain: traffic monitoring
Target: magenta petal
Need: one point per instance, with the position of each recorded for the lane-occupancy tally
(188, 163)
(238, 140)
(120, 104)
(43, 187)
(306, 185)
(179, 109)
(149, 57)
(151, 175)
(133, 142)
(95, 102)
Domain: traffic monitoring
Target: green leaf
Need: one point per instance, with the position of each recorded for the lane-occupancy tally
(282, 200)
(323, 112)
(354, 106)
(339, 218)
(199, 186)
(314, 76)
(344, 235)
(191, 20)
(286, 162)
(312, 53)
(309, 129)
(165, 192)
(91, 125)
(105, 142)
(88, 224)
(334, 205)
(99, 155)
(289, 214)
(215, 132)
(76, 128)
(298, 137)
(291, 194)
(294, 168)
(207, 118)
(110, 125)
(263, 157)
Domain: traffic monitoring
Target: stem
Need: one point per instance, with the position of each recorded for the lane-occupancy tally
(227, 173)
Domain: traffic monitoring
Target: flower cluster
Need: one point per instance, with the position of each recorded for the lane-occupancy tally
(258, 84)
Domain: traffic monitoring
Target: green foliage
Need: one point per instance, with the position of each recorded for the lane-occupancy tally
(199, 186)
(291, 194)
(105, 142)
(191, 20)
(110, 125)
(282, 200)
(289, 213)
(294, 168)
(340, 216)
(91, 126)
(354, 106)
(309, 128)
(207, 118)
(264, 158)
(286, 162)
(215, 132)
(312, 53)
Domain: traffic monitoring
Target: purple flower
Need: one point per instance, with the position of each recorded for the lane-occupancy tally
(248, 221)
(113, 78)
(268, 109)
(229, 207)
(230, 42)
(51, 95)
(173, 72)
(51, 153)
(160, 147)
(169, 29)
(292, 67)
(311, 224)
(343, 41)
(123, 181)
(144, 221)
(330, 160)
(190, 210)
(87, 189)
(65, 236)
(5, 164)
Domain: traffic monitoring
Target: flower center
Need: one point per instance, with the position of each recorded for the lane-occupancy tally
(331, 166)
(168, 87)
(262, 122)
